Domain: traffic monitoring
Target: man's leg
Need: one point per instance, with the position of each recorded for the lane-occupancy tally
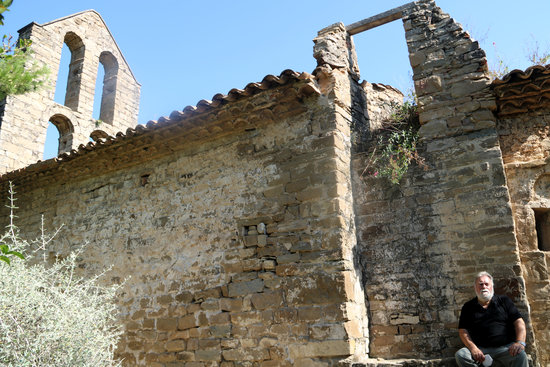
(503, 356)
(464, 358)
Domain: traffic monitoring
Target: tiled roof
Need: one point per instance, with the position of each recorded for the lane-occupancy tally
(182, 122)
(522, 91)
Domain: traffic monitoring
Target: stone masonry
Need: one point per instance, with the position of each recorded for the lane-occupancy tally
(25, 119)
(247, 235)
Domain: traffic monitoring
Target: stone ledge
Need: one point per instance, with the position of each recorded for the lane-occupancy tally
(442, 362)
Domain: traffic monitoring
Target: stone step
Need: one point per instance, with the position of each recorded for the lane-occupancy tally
(377, 362)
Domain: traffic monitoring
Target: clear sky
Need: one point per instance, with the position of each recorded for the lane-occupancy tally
(183, 51)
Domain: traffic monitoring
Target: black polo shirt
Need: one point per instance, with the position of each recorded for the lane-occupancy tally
(493, 326)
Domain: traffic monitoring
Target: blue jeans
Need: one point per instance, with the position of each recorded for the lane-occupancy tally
(500, 355)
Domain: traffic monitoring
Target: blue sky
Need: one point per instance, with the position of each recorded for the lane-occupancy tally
(183, 51)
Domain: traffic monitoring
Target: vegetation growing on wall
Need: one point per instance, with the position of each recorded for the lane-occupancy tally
(395, 147)
(49, 316)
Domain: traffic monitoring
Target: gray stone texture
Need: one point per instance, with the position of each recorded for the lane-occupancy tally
(247, 235)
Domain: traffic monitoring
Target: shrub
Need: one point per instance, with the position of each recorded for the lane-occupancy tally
(49, 316)
(395, 148)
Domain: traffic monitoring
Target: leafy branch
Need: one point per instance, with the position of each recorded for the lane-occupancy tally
(395, 148)
(4, 5)
(18, 74)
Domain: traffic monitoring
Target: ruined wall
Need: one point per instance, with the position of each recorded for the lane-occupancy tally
(248, 237)
(524, 141)
(421, 243)
(26, 117)
(234, 242)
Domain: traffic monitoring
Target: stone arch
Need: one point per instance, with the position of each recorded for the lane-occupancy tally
(108, 96)
(66, 130)
(74, 80)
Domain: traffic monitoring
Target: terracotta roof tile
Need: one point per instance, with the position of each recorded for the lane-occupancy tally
(183, 119)
(522, 91)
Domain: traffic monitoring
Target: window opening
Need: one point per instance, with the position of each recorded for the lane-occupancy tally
(378, 33)
(108, 86)
(542, 222)
(65, 132)
(52, 142)
(62, 75)
(98, 91)
(74, 76)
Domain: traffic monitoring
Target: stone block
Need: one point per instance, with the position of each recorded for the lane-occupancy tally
(288, 258)
(170, 324)
(327, 332)
(187, 322)
(403, 318)
(246, 354)
(219, 319)
(228, 304)
(434, 128)
(468, 87)
(175, 346)
(318, 290)
(268, 265)
(185, 356)
(308, 362)
(220, 331)
(329, 348)
(208, 355)
(244, 288)
(428, 85)
(270, 299)
(166, 357)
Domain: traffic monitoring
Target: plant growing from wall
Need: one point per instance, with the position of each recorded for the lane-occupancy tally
(395, 146)
(49, 316)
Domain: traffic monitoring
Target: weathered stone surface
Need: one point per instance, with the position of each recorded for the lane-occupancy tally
(244, 288)
(25, 132)
(327, 348)
(253, 239)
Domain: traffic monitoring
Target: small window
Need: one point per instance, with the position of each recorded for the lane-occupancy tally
(542, 220)
(65, 129)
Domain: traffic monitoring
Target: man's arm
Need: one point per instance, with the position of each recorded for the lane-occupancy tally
(477, 354)
(517, 347)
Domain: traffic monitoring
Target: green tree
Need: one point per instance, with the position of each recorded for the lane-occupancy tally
(4, 5)
(18, 74)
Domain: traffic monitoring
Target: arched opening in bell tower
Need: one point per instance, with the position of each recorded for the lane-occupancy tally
(76, 48)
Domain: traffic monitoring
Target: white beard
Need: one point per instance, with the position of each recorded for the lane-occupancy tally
(485, 295)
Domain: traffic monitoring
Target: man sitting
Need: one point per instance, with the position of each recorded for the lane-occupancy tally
(491, 325)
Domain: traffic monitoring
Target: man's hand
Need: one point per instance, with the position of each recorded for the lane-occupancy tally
(515, 349)
(477, 354)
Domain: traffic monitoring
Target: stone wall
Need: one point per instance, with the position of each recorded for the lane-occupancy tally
(26, 117)
(421, 243)
(236, 247)
(246, 234)
(524, 142)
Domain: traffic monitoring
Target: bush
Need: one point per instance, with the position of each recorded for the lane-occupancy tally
(395, 148)
(49, 316)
